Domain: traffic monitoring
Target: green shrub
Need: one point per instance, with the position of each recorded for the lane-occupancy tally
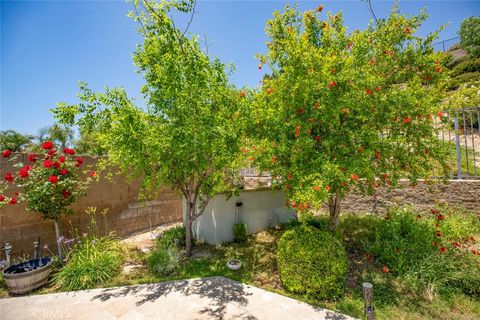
(471, 65)
(463, 78)
(402, 240)
(91, 262)
(312, 262)
(164, 261)
(174, 237)
(321, 222)
(430, 251)
(239, 232)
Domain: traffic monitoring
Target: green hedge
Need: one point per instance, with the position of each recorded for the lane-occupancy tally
(312, 262)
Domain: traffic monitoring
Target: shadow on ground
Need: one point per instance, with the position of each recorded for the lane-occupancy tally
(220, 291)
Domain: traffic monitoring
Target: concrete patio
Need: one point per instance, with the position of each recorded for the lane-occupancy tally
(206, 298)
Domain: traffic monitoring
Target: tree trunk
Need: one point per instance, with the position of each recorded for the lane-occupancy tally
(57, 236)
(188, 237)
(334, 209)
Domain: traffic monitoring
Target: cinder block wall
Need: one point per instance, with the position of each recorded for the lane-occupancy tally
(465, 193)
(126, 214)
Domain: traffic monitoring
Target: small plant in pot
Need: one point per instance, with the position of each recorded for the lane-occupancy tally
(49, 184)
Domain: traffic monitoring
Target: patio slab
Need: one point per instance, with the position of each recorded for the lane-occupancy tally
(206, 298)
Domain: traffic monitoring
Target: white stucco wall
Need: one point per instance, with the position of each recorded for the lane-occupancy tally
(261, 209)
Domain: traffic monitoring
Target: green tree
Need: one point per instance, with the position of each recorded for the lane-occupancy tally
(470, 35)
(189, 133)
(345, 111)
(61, 135)
(14, 141)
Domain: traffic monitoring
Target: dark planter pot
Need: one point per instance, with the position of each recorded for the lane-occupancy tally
(26, 276)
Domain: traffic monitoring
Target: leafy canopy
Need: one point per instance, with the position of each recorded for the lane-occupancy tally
(188, 133)
(342, 110)
(470, 35)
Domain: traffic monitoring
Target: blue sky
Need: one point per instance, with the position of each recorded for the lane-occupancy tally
(48, 46)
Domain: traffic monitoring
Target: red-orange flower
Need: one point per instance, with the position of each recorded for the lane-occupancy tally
(47, 145)
(385, 269)
(6, 153)
(443, 249)
(53, 179)
(32, 157)
(8, 177)
(12, 200)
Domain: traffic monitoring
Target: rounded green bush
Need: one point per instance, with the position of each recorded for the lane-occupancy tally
(313, 262)
(163, 261)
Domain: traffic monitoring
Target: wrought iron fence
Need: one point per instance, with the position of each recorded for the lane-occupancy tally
(446, 44)
(461, 134)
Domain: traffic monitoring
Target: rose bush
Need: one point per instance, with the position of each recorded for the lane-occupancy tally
(48, 184)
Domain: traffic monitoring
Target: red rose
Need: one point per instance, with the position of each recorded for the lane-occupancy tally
(12, 201)
(354, 177)
(66, 194)
(53, 179)
(385, 269)
(8, 177)
(2, 197)
(440, 114)
(47, 145)
(69, 151)
(92, 174)
(32, 157)
(56, 164)
(328, 188)
(438, 69)
(61, 159)
(440, 217)
(79, 161)
(434, 211)
(368, 92)
(332, 84)
(443, 249)
(407, 120)
(63, 172)
(51, 152)
(23, 173)
(318, 138)
(6, 153)
(48, 163)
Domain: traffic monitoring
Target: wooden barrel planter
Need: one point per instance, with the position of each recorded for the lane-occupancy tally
(26, 276)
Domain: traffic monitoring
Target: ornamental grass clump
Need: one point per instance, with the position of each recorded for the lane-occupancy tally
(91, 262)
(431, 251)
(50, 183)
